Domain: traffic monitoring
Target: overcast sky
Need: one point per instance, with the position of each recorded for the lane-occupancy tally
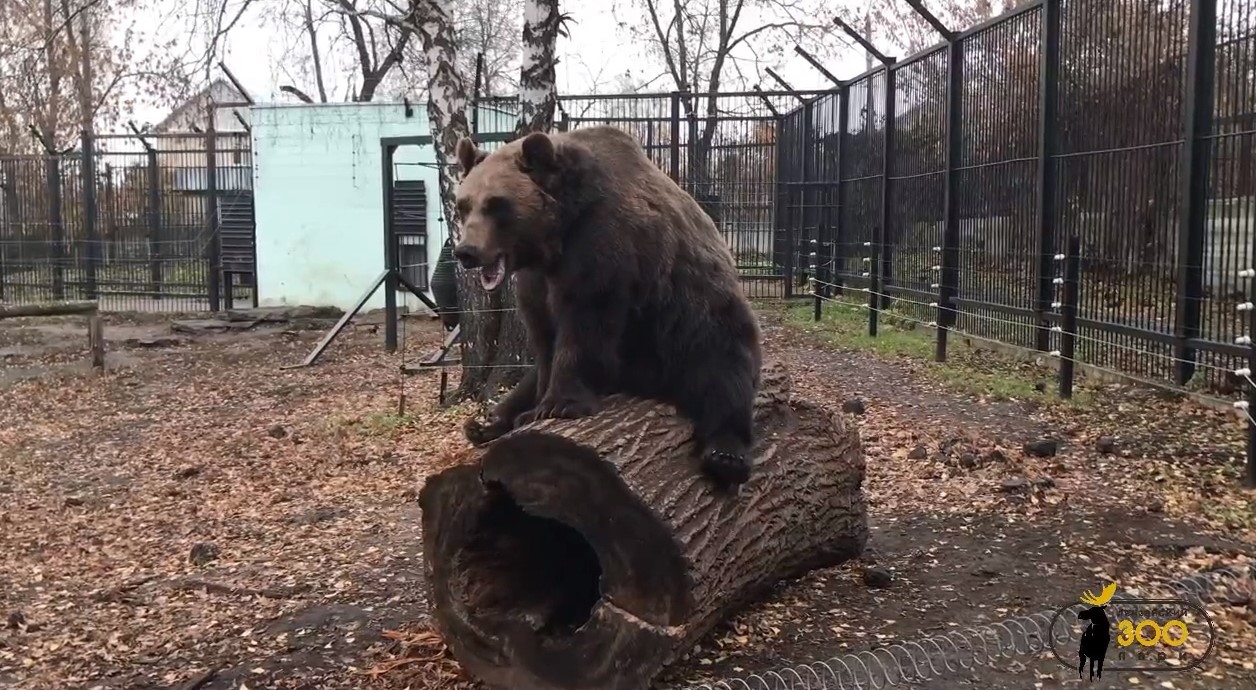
(597, 50)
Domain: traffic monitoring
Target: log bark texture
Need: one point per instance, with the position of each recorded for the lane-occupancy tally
(590, 553)
(13, 311)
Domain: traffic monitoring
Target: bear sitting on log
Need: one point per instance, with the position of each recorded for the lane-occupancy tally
(582, 550)
(624, 285)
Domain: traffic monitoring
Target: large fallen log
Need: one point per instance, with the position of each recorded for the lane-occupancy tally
(591, 553)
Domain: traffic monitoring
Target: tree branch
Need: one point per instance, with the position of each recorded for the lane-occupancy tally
(664, 44)
(314, 52)
(288, 88)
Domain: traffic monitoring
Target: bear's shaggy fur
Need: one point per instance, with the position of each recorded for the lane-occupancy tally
(624, 284)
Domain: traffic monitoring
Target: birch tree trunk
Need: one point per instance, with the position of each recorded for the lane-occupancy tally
(447, 93)
(538, 94)
(494, 344)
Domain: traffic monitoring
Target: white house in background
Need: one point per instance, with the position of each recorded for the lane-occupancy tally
(192, 114)
(182, 152)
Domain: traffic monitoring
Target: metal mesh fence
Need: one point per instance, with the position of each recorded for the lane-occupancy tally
(1125, 124)
(135, 223)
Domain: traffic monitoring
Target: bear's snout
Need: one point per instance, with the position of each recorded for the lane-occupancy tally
(468, 256)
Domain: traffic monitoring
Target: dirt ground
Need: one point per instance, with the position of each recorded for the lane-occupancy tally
(198, 517)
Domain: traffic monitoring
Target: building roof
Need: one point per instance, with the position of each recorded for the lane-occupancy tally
(199, 100)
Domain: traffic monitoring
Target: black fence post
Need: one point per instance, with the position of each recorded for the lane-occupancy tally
(880, 274)
(1048, 104)
(53, 170)
(1068, 314)
(1250, 474)
(154, 223)
(87, 169)
(780, 207)
(948, 287)
(887, 200)
(810, 212)
(211, 213)
(676, 137)
(6, 215)
(837, 253)
(1193, 184)
(392, 257)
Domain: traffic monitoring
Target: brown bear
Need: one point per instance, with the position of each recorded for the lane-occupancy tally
(624, 285)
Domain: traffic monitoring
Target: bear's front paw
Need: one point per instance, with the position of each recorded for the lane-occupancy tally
(564, 407)
(727, 468)
(525, 418)
(479, 434)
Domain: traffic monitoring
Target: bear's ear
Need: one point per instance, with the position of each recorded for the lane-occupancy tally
(469, 155)
(538, 153)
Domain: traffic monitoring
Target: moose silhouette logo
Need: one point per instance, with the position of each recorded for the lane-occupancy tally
(1145, 635)
(1097, 636)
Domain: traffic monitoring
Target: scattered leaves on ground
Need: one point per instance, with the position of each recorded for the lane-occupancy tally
(295, 488)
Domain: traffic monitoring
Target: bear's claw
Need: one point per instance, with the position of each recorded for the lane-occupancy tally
(559, 408)
(727, 469)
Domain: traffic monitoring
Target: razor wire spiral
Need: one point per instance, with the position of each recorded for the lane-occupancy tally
(964, 649)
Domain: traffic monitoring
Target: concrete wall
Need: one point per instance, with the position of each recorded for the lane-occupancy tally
(319, 196)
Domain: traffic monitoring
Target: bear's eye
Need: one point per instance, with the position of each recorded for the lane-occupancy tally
(463, 207)
(499, 207)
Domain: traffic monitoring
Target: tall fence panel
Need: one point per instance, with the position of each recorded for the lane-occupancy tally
(860, 174)
(1231, 191)
(915, 186)
(1120, 132)
(123, 220)
(997, 178)
(1122, 128)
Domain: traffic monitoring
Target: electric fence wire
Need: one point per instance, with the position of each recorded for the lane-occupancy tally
(965, 649)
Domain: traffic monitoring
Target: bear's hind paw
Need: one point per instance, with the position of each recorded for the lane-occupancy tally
(727, 469)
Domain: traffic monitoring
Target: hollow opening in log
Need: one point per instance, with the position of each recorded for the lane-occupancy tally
(523, 567)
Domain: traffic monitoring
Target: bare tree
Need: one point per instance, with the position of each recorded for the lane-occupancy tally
(335, 50)
(67, 65)
(490, 28)
(897, 29)
(706, 45)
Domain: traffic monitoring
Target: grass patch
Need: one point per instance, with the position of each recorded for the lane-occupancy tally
(370, 425)
(969, 370)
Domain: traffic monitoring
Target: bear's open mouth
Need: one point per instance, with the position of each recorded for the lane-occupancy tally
(492, 275)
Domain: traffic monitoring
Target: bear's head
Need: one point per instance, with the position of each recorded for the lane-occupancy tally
(507, 216)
